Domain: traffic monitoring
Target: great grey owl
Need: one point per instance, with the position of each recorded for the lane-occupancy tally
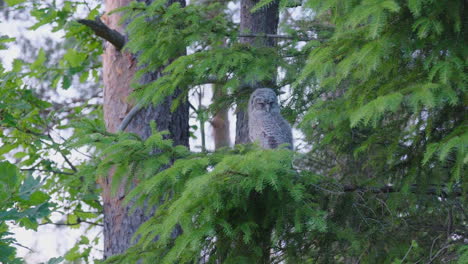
(266, 125)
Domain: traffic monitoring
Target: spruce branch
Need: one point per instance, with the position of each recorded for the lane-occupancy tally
(103, 31)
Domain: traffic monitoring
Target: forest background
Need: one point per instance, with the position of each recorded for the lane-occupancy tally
(375, 89)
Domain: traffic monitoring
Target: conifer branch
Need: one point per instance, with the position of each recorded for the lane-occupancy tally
(277, 37)
(433, 190)
(103, 31)
(128, 118)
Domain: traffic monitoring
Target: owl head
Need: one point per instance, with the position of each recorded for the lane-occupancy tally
(263, 100)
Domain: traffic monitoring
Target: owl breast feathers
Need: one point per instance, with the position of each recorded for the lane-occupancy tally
(266, 125)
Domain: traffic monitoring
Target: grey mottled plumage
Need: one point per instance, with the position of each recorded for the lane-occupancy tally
(266, 125)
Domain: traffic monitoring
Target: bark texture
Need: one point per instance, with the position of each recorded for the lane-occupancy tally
(220, 121)
(118, 69)
(263, 21)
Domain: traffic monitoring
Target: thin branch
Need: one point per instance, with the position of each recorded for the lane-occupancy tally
(435, 190)
(68, 161)
(193, 107)
(73, 168)
(64, 139)
(327, 190)
(53, 145)
(278, 37)
(19, 245)
(130, 116)
(438, 253)
(79, 221)
(432, 246)
(103, 31)
(53, 171)
(407, 252)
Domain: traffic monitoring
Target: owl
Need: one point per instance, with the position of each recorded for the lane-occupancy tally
(266, 125)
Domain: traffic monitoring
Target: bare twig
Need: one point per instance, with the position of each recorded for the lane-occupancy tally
(79, 221)
(436, 255)
(53, 171)
(192, 107)
(130, 116)
(103, 31)
(19, 245)
(277, 37)
(434, 190)
(407, 252)
(432, 246)
(73, 168)
(68, 161)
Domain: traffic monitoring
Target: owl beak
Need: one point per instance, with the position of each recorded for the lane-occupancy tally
(267, 107)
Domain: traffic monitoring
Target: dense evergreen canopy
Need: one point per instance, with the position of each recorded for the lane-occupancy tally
(377, 87)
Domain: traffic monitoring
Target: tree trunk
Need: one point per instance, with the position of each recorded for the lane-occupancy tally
(220, 121)
(118, 70)
(263, 21)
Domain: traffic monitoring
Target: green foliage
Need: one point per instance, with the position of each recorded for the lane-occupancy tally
(5, 39)
(22, 202)
(391, 104)
(29, 125)
(225, 202)
(218, 56)
(380, 96)
(14, 2)
(405, 76)
(381, 100)
(82, 46)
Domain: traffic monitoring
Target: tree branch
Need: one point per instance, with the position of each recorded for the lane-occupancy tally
(277, 37)
(53, 171)
(433, 190)
(103, 31)
(79, 221)
(130, 116)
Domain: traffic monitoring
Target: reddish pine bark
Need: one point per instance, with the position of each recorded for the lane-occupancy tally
(118, 70)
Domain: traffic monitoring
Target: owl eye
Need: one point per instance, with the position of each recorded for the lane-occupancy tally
(260, 105)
